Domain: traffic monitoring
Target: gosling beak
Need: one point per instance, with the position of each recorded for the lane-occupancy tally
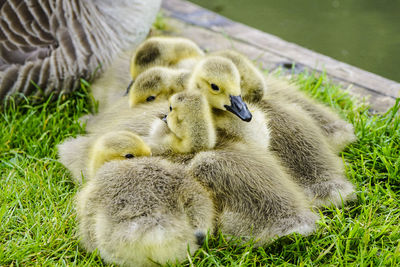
(239, 108)
(129, 87)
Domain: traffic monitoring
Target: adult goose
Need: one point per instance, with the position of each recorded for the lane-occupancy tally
(52, 44)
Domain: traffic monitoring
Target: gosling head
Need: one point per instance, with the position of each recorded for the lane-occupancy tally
(118, 145)
(162, 51)
(190, 122)
(252, 81)
(218, 80)
(157, 83)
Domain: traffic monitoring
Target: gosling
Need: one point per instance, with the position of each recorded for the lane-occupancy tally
(116, 145)
(143, 212)
(338, 132)
(121, 117)
(294, 137)
(256, 87)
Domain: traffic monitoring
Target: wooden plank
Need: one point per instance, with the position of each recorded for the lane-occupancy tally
(214, 32)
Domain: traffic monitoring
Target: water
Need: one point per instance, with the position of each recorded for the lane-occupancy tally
(363, 33)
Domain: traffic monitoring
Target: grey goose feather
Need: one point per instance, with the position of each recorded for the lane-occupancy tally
(55, 42)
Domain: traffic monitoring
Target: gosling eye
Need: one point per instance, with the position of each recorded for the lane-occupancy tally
(214, 87)
(150, 98)
(129, 156)
(170, 108)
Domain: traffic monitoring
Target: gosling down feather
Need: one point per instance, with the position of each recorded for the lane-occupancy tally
(54, 43)
(143, 212)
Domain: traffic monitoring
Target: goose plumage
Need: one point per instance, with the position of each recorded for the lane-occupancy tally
(54, 43)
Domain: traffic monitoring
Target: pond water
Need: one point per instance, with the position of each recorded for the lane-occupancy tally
(363, 33)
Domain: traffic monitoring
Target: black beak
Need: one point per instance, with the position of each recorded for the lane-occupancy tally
(129, 87)
(239, 108)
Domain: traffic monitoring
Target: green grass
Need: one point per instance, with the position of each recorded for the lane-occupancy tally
(37, 213)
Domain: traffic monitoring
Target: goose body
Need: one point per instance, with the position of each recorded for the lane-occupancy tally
(54, 43)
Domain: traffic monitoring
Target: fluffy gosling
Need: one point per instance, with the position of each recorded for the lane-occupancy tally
(295, 137)
(143, 212)
(255, 87)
